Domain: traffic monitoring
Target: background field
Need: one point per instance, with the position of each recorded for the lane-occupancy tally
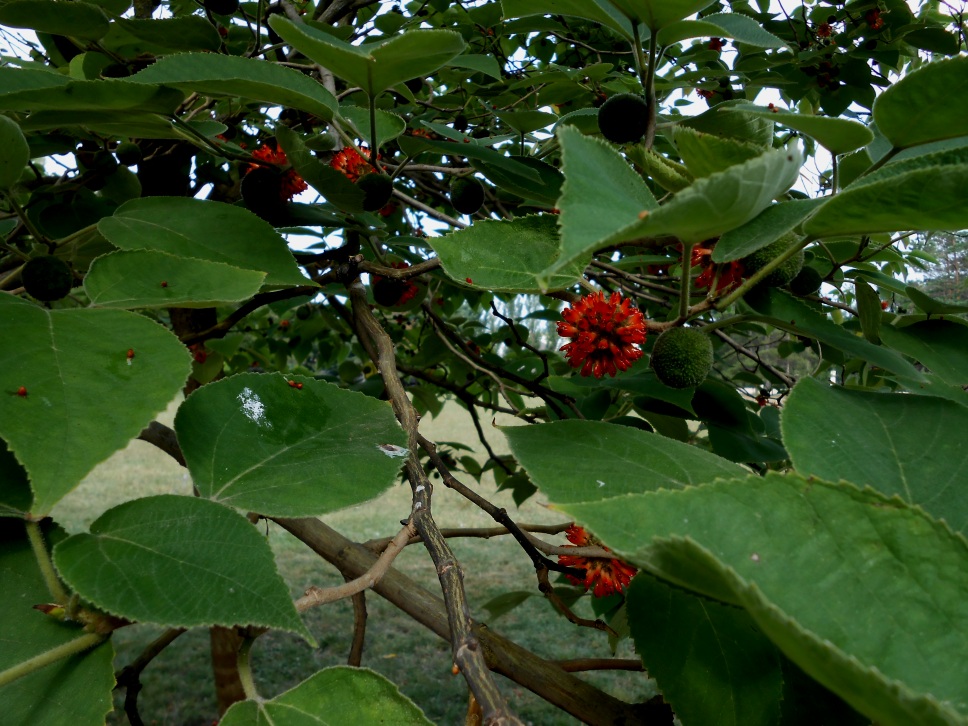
(177, 685)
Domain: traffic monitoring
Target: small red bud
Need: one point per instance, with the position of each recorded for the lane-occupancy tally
(469, 281)
(22, 391)
(164, 284)
(130, 353)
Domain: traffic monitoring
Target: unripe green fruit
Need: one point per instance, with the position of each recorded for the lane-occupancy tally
(47, 278)
(623, 119)
(785, 272)
(377, 190)
(222, 7)
(128, 154)
(104, 162)
(682, 357)
(467, 195)
(807, 281)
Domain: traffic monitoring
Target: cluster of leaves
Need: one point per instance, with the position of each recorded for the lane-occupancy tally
(805, 534)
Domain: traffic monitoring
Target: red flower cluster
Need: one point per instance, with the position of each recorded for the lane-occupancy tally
(292, 184)
(605, 576)
(604, 334)
(716, 44)
(729, 274)
(351, 163)
(824, 30)
(874, 19)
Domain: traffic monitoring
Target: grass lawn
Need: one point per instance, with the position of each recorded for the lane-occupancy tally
(177, 685)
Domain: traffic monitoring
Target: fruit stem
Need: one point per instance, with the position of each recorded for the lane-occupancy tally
(26, 222)
(71, 647)
(39, 547)
(751, 282)
(245, 670)
(373, 139)
(650, 92)
(686, 280)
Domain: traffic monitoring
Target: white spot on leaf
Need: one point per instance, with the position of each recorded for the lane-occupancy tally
(600, 482)
(393, 451)
(253, 408)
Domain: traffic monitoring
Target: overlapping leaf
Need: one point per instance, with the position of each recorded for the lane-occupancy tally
(75, 19)
(768, 226)
(258, 443)
(837, 135)
(178, 561)
(83, 394)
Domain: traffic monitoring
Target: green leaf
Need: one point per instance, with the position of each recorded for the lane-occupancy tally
(721, 121)
(84, 395)
(918, 109)
(14, 152)
(598, 11)
(705, 154)
(924, 193)
(75, 691)
(39, 91)
(767, 227)
(659, 13)
(204, 230)
(837, 135)
(940, 345)
(112, 123)
(333, 696)
(600, 196)
(710, 661)
(513, 177)
(256, 442)
(388, 125)
(834, 576)
(486, 64)
(15, 495)
(606, 461)
(224, 75)
(187, 33)
(708, 208)
(931, 306)
(788, 313)
(524, 122)
(74, 19)
(330, 183)
(506, 602)
(133, 280)
(374, 67)
(670, 175)
(720, 25)
(180, 562)
(869, 310)
(897, 444)
(506, 256)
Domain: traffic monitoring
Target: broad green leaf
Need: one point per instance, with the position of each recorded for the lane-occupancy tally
(705, 154)
(600, 196)
(524, 122)
(598, 11)
(720, 25)
(924, 193)
(788, 313)
(768, 226)
(869, 310)
(75, 691)
(514, 178)
(918, 109)
(931, 306)
(187, 33)
(897, 444)
(606, 461)
(506, 256)
(181, 562)
(657, 14)
(837, 135)
(513, 168)
(720, 120)
(204, 230)
(258, 443)
(329, 182)
(506, 602)
(83, 392)
(388, 125)
(132, 279)
(710, 661)
(14, 152)
(486, 64)
(36, 91)
(940, 345)
(225, 75)
(867, 595)
(112, 123)
(332, 697)
(74, 19)
(374, 67)
(15, 495)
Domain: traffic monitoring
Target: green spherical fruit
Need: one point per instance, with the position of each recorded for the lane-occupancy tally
(807, 281)
(377, 190)
(623, 119)
(682, 357)
(785, 272)
(104, 162)
(467, 195)
(128, 154)
(47, 278)
(222, 7)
